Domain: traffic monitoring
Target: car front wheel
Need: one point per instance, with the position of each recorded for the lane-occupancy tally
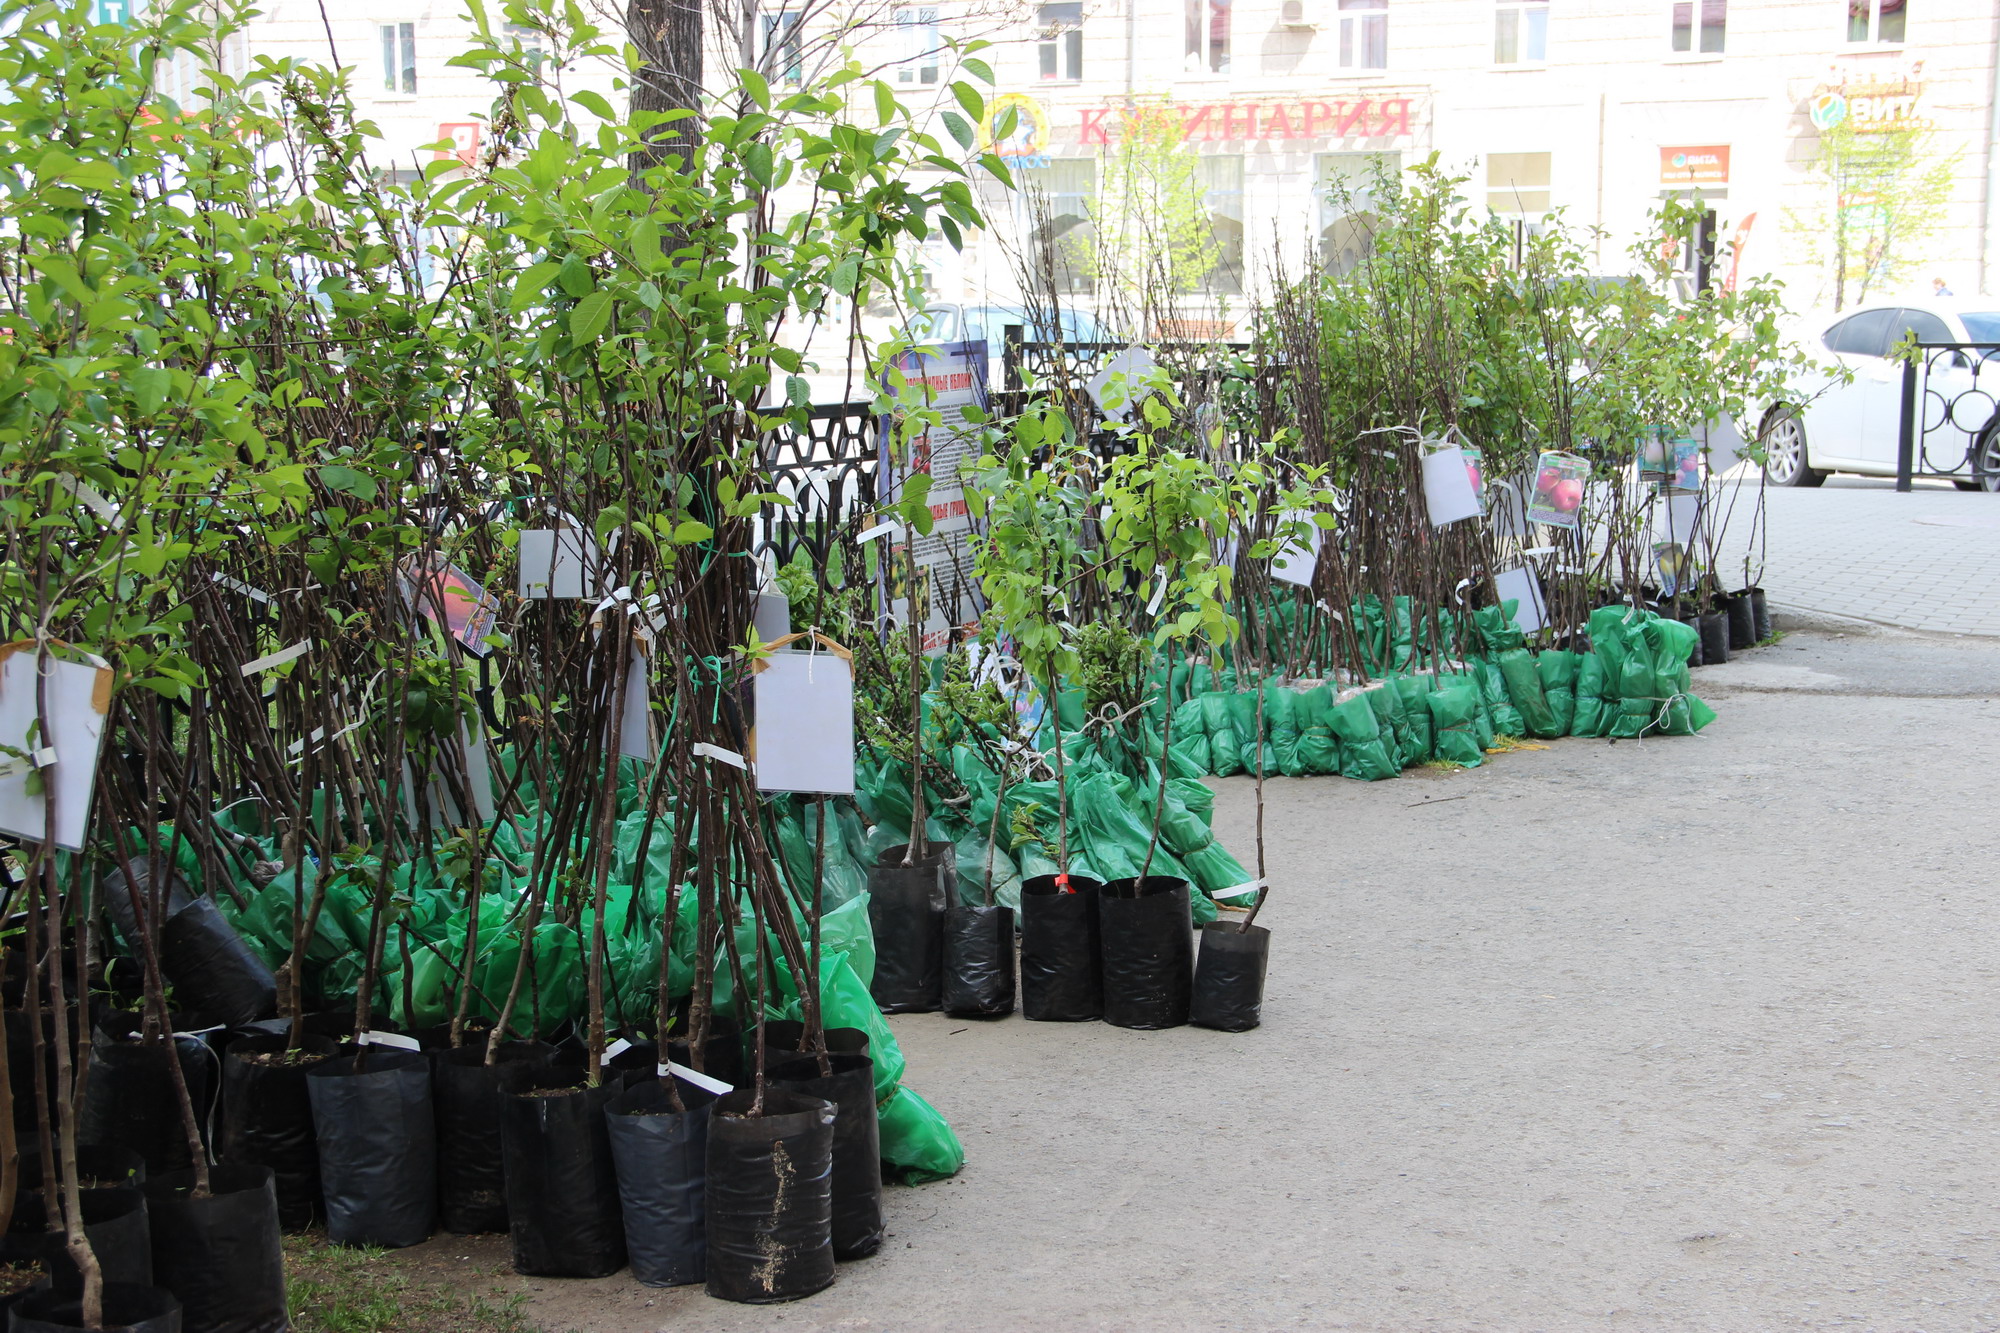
(1785, 457)
(1986, 461)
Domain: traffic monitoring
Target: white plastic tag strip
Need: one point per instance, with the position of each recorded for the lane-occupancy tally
(879, 530)
(1241, 890)
(237, 585)
(716, 752)
(199, 1033)
(279, 658)
(92, 499)
(696, 1077)
(393, 1039)
(617, 1048)
(1159, 591)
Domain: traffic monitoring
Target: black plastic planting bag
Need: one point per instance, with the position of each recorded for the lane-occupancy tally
(978, 962)
(1060, 950)
(213, 972)
(563, 1209)
(661, 1156)
(472, 1188)
(131, 1101)
(770, 1197)
(1229, 977)
(267, 1120)
(1148, 942)
(785, 1038)
(113, 1219)
(222, 1256)
(99, 1166)
(127, 1309)
(906, 906)
(377, 1146)
(857, 1145)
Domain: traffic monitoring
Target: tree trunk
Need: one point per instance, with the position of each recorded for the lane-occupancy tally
(668, 34)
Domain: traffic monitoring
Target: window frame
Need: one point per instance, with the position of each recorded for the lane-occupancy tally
(784, 46)
(1872, 23)
(1059, 45)
(1697, 29)
(399, 76)
(1523, 14)
(1203, 19)
(919, 29)
(1227, 277)
(1361, 19)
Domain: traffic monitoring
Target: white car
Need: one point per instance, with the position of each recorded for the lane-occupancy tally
(1855, 427)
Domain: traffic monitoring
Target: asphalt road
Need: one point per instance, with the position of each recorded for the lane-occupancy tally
(1683, 1034)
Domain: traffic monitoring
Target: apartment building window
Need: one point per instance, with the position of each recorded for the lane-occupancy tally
(1061, 46)
(1364, 34)
(921, 44)
(1699, 24)
(782, 42)
(1520, 33)
(1517, 192)
(1061, 200)
(1877, 20)
(1351, 186)
(399, 57)
(1221, 180)
(1208, 36)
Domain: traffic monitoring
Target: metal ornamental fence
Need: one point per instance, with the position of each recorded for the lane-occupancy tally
(1950, 416)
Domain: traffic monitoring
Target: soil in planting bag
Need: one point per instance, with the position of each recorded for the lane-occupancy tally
(213, 972)
(662, 1156)
(769, 1197)
(1190, 739)
(127, 1309)
(223, 1256)
(1413, 691)
(1453, 710)
(1319, 750)
(472, 1180)
(1363, 754)
(918, 1145)
(906, 909)
(114, 1220)
(130, 1099)
(267, 1119)
(1524, 691)
(857, 1145)
(1558, 669)
(98, 1166)
(1148, 942)
(1060, 951)
(563, 1211)
(373, 1117)
(1281, 723)
(1742, 619)
(1229, 977)
(979, 962)
(1225, 746)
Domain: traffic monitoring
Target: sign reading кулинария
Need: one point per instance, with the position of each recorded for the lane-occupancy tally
(1330, 118)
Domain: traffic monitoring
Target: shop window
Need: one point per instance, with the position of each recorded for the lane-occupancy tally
(1061, 199)
(921, 44)
(1364, 34)
(1878, 20)
(1207, 44)
(399, 57)
(1521, 33)
(1061, 45)
(1517, 184)
(1699, 26)
(1351, 187)
(782, 41)
(1221, 181)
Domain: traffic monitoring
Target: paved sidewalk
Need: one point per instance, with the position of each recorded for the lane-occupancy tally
(1927, 560)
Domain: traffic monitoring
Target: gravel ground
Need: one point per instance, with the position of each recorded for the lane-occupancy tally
(1682, 1034)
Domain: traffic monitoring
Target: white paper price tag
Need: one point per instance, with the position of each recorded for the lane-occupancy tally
(696, 1077)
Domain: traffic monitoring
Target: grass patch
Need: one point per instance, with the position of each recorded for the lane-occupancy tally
(336, 1289)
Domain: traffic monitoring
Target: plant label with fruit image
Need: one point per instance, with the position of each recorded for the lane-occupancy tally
(59, 764)
(1558, 494)
(1449, 496)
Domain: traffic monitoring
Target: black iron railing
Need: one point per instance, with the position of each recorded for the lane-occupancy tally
(1950, 419)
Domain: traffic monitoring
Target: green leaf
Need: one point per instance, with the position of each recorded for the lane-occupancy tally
(979, 69)
(960, 130)
(687, 532)
(530, 286)
(349, 482)
(595, 104)
(969, 98)
(646, 245)
(797, 391)
(592, 313)
(756, 85)
(885, 102)
(575, 277)
(757, 161)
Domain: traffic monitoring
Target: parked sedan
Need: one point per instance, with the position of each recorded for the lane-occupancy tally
(1855, 427)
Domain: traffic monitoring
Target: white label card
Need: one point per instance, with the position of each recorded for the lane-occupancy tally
(804, 740)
